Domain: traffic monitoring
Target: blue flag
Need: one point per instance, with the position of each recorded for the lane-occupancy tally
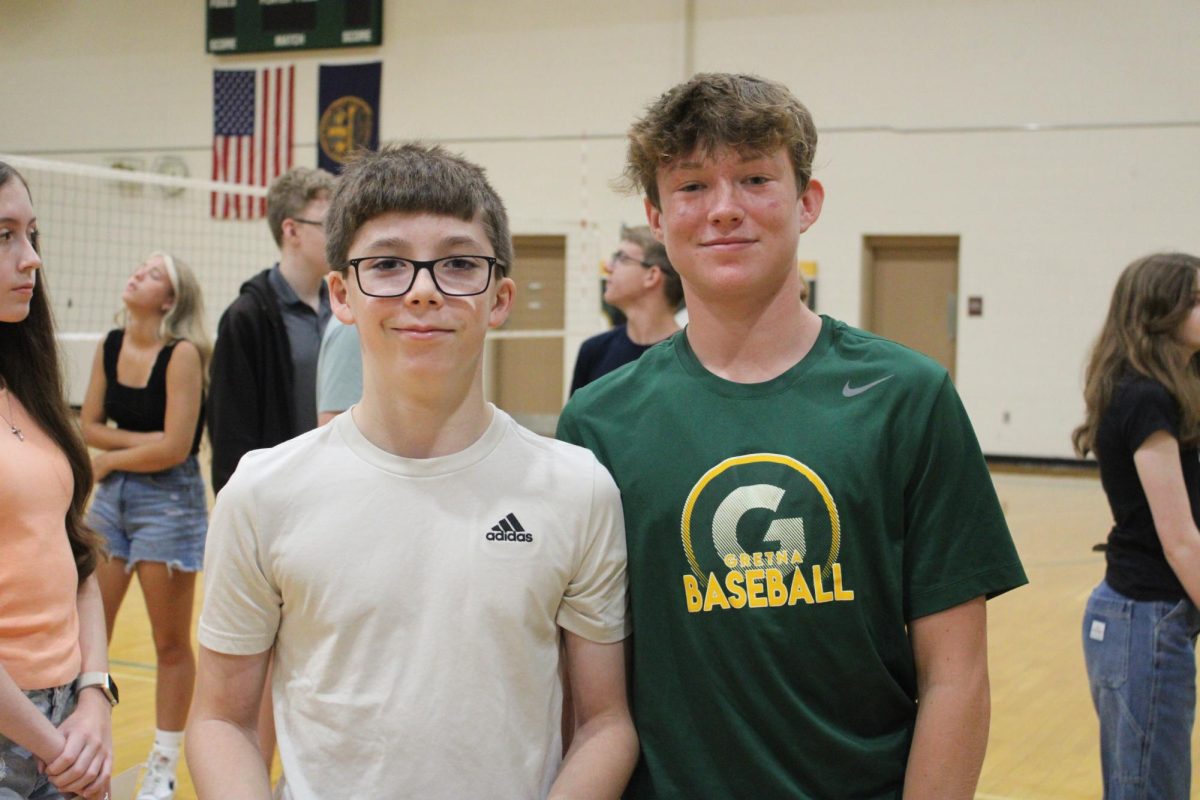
(347, 112)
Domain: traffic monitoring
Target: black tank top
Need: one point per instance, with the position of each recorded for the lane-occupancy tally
(144, 409)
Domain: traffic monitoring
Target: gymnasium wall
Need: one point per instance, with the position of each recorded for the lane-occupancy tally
(1058, 139)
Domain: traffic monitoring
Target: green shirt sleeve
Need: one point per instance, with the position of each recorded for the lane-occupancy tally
(957, 543)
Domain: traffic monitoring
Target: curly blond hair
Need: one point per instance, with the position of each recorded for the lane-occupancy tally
(715, 110)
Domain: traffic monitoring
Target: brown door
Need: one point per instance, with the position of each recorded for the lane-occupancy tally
(910, 292)
(525, 367)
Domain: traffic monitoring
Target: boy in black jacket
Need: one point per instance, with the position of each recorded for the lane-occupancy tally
(263, 375)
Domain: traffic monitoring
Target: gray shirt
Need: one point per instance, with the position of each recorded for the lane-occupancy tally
(304, 329)
(339, 368)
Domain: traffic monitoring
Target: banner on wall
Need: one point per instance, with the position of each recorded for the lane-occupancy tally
(252, 134)
(347, 112)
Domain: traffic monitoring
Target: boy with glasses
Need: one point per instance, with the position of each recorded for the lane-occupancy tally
(645, 288)
(812, 529)
(416, 561)
(262, 388)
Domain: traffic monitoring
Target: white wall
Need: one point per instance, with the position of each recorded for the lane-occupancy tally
(922, 106)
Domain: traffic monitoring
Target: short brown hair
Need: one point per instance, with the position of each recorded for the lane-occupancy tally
(655, 255)
(714, 110)
(291, 192)
(413, 178)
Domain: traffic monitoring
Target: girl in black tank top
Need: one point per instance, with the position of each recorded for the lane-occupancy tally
(148, 380)
(1139, 630)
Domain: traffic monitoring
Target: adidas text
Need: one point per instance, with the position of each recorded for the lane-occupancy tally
(501, 536)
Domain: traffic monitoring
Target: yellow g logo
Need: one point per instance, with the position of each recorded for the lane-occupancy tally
(346, 126)
(786, 533)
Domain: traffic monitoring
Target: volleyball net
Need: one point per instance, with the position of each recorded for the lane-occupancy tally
(97, 224)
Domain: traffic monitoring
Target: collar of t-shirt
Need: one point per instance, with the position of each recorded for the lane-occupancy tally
(469, 456)
(780, 383)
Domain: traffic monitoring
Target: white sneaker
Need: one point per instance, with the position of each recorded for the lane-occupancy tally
(159, 783)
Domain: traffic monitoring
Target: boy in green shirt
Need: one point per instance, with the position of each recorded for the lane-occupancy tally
(812, 529)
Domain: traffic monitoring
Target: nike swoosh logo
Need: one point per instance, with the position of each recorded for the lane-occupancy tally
(847, 391)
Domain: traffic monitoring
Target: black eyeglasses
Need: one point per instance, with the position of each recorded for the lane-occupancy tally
(454, 276)
(308, 221)
(621, 257)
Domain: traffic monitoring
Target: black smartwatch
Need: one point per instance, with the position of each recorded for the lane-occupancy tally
(102, 681)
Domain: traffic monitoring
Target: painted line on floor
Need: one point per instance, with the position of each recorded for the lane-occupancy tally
(134, 676)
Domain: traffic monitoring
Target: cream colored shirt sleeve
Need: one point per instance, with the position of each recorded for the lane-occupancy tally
(241, 611)
(595, 604)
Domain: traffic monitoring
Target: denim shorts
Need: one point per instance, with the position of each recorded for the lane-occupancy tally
(19, 775)
(1141, 663)
(154, 516)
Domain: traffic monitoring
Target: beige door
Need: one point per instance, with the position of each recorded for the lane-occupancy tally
(910, 292)
(525, 368)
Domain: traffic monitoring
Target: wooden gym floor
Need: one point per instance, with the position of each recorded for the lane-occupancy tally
(1044, 733)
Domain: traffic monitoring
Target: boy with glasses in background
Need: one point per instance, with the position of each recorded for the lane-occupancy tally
(416, 561)
(643, 286)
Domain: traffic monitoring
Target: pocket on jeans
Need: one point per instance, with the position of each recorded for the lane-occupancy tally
(1106, 633)
(1187, 615)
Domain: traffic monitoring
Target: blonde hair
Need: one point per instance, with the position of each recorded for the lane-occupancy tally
(184, 320)
(1152, 298)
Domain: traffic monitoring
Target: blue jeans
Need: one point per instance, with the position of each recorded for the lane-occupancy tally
(153, 516)
(19, 775)
(1141, 663)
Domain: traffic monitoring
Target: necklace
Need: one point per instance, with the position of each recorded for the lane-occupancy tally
(13, 429)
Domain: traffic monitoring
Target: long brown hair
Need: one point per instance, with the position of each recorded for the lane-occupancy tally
(30, 368)
(1154, 295)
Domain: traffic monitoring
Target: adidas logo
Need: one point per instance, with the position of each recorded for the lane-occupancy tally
(509, 529)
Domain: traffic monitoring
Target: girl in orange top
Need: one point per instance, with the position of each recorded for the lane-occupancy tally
(55, 737)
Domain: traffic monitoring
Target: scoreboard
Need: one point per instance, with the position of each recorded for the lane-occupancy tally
(267, 26)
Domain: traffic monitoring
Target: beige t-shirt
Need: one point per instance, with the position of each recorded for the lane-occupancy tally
(39, 623)
(417, 604)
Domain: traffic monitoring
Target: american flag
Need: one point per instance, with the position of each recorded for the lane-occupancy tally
(252, 134)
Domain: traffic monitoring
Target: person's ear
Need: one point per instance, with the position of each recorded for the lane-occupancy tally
(809, 204)
(290, 229)
(502, 303)
(654, 219)
(653, 277)
(339, 292)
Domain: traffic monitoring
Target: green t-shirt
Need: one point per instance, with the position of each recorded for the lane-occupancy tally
(781, 535)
